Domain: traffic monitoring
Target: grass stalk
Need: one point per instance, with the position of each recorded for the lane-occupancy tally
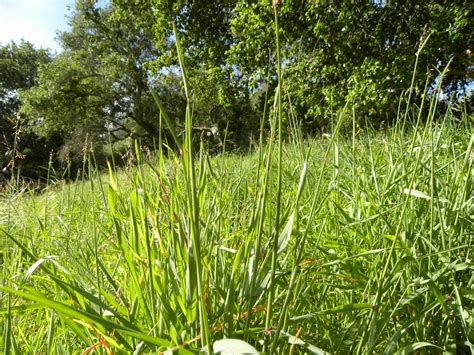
(374, 328)
(276, 229)
(193, 204)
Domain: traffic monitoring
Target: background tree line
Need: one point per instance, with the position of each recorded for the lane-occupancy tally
(98, 89)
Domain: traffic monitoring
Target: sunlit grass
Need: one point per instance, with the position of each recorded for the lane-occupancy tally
(345, 243)
(112, 258)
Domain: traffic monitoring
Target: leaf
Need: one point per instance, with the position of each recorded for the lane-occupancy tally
(297, 341)
(33, 267)
(21, 309)
(395, 338)
(416, 193)
(465, 292)
(339, 309)
(436, 291)
(113, 183)
(233, 346)
(285, 234)
(302, 180)
(420, 194)
(37, 263)
(84, 316)
(415, 346)
(230, 250)
(238, 259)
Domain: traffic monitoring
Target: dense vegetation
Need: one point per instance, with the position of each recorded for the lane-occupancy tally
(374, 251)
(117, 53)
(358, 240)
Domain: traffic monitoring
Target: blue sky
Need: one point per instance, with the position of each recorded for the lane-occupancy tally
(35, 21)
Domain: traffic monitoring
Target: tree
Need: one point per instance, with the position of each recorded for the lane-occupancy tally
(19, 65)
(18, 68)
(100, 82)
(339, 51)
(114, 56)
(334, 51)
(220, 98)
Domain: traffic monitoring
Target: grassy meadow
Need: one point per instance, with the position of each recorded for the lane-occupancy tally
(351, 243)
(357, 241)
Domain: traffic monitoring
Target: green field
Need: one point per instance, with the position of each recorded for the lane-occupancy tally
(352, 237)
(364, 244)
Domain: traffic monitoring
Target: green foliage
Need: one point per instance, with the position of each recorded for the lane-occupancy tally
(358, 245)
(364, 53)
(112, 258)
(98, 89)
(20, 149)
(99, 81)
(18, 68)
(378, 56)
(333, 52)
(71, 95)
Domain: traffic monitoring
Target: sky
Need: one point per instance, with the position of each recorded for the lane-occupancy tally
(35, 21)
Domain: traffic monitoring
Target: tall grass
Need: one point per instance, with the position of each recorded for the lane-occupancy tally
(340, 244)
(381, 240)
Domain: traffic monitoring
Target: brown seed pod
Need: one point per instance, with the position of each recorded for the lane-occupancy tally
(275, 4)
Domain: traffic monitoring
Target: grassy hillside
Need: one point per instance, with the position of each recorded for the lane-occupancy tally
(364, 244)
